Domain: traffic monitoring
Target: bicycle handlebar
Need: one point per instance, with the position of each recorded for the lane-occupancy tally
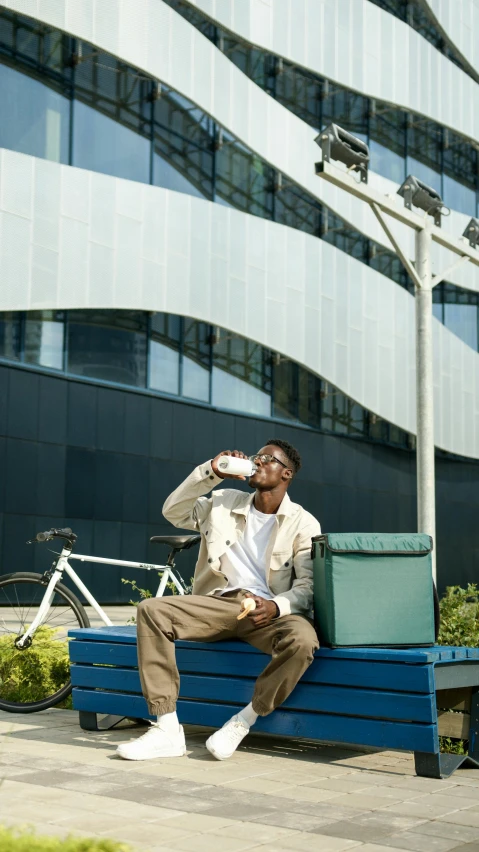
(65, 533)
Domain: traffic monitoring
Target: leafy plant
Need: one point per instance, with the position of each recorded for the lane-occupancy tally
(145, 593)
(37, 671)
(19, 840)
(460, 616)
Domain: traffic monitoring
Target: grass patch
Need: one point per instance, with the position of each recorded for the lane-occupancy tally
(19, 840)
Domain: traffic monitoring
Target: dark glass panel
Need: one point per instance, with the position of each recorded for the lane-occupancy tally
(309, 407)
(398, 436)
(461, 313)
(196, 360)
(424, 147)
(183, 146)
(460, 173)
(378, 428)
(244, 180)
(10, 335)
(285, 383)
(299, 92)
(44, 333)
(345, 108)
(241, 377)
(388, 264)
(387, 141)
(164, 365)
(294, 207)
(341, 235)
(114, 88)
(341, 414)
(35, 118)
(398, 8)
(259, 66)
(103, 145)
(108, 345)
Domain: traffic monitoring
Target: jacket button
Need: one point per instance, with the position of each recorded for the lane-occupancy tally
(228, 542)
(210, 560)
(211, 477)
(207, 472)
(206, 533)
(286, 564)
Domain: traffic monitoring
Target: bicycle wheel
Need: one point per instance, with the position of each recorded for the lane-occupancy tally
(38, 676)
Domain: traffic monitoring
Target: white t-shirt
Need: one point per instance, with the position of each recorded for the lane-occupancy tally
(244, 562)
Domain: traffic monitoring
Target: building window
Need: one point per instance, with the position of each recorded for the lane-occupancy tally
(196, 360)
(35, 117)
(285, 383)
(10, 335)
(43, 343)
(164, 361)
(108, 345)
(243, 180)
(183, 145)
(241, 377)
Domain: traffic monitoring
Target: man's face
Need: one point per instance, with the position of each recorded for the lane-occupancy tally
(271, 474)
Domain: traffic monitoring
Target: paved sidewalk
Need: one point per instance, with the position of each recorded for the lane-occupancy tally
(274, 795)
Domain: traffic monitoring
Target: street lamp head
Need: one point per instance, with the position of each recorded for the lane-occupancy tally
(472, 232)
(414, 191)
(338, 144)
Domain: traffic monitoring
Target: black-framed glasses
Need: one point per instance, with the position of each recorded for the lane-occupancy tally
(266, 458)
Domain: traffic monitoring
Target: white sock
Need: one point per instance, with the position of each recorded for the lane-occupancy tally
(169, 722)
(248, 715)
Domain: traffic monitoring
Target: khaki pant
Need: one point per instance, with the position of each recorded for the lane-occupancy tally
(291, 640)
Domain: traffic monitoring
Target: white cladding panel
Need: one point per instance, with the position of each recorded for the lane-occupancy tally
(460, 21)
(70, 238)
(358, 45)
(153, 37)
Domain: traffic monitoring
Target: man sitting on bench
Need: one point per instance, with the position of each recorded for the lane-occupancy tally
(252, 545)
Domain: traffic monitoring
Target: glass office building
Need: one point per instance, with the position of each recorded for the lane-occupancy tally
(161, 245)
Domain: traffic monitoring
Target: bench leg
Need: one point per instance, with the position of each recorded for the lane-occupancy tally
(89, 721)
(443, 765)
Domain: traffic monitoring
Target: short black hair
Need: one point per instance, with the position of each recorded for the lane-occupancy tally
(290, 452)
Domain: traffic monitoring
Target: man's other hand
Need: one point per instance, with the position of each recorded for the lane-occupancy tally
(266, 611)
(214, 463)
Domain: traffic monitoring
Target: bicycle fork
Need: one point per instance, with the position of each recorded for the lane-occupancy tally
(25, 640)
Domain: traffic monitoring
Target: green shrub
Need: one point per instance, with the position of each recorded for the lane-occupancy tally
(12, 840)
(37, 671)
(460, 616)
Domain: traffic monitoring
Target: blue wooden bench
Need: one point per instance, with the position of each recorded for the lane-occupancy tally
(386, 698)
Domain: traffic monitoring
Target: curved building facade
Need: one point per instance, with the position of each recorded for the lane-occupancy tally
(175, 279)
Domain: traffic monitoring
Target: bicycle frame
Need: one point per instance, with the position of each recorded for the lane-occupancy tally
(63, 565)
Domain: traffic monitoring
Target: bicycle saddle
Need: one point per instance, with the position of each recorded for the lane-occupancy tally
(176, 542)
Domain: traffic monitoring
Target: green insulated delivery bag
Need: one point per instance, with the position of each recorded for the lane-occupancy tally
(373, 589)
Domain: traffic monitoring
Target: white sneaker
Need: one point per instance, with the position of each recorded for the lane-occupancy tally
(223, 743)
(155, 743)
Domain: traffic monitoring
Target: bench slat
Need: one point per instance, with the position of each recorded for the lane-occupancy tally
(313, 697)
(340, 729)
(370, 675)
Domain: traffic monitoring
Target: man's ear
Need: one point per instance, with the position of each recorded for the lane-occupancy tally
(288, 474)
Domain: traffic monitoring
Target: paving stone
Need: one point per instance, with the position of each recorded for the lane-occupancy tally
(289, 819)
(416, 807)
(439, 828)
(419, 842)
(467, 847)
(303, 843)
(364, 801)
(260, 833)
(212, 843)
(462, 818)
(350, 830)
(189, 804)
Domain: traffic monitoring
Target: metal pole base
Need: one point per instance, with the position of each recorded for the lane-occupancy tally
(89, 721)
(441, 765)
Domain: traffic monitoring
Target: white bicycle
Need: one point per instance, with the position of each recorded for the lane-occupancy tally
(37, 610)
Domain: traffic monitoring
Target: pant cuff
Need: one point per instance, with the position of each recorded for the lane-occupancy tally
(161, 707)
(261, 709)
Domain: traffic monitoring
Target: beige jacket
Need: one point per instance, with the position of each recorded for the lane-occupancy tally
(221, 520)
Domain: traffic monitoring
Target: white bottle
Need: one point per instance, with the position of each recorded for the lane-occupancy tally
(236, 467)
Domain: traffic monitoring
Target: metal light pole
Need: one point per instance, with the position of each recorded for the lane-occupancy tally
(425, 233)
